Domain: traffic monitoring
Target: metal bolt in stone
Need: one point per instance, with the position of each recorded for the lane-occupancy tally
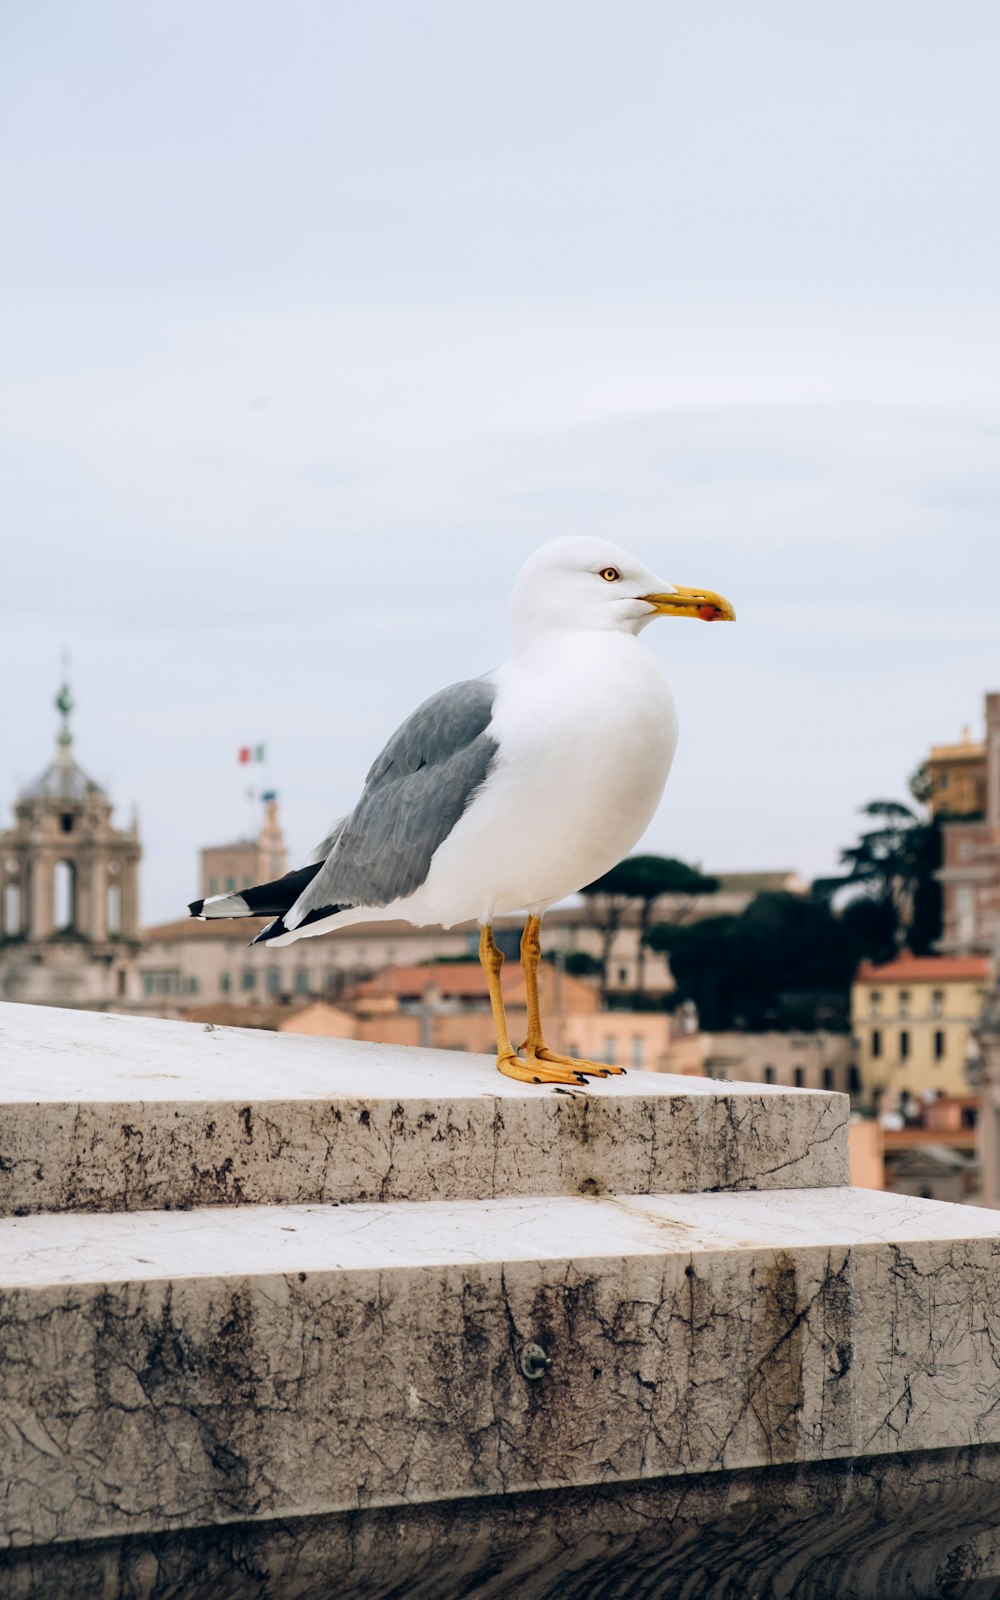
(534, 1362)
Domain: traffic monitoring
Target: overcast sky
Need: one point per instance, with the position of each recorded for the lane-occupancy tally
(318, 317)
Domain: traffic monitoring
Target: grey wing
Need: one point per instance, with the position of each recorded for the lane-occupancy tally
(416, 791)
(322, 850)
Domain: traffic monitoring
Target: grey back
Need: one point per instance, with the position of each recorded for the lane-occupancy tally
(416, 791)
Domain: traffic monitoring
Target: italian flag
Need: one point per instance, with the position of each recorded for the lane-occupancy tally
(251, 752)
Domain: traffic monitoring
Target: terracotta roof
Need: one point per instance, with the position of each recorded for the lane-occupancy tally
(924, 969)
(454, 980)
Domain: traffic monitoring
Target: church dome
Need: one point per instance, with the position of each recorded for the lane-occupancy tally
(63, 780)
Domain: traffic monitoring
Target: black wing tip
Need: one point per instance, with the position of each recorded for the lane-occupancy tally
(275, 929)
(196, 907)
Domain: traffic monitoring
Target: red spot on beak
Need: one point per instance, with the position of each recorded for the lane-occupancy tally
(709, 613)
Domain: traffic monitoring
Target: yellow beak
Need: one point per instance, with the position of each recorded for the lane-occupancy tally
(701, 603)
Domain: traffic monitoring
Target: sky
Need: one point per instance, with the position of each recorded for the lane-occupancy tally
(316, 319)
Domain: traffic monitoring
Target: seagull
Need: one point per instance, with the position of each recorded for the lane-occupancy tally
(509, 792)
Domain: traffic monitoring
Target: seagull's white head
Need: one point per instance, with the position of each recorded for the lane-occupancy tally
(591, 585)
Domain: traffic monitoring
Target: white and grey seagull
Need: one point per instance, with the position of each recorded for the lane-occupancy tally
(508, 792)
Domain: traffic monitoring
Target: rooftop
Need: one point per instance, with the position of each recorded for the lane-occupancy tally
(456, 980)
(63, 780)
(907, 968)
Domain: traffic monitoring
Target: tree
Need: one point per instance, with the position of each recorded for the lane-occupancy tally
(786, 961)
(893, 864)
(642, 879)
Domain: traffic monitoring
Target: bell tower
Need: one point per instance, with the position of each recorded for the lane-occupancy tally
(69, 910)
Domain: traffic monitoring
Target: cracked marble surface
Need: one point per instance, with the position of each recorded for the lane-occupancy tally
(107, 1113)
(170, 1370)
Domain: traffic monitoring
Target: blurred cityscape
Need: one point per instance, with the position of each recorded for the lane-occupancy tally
(881, 983)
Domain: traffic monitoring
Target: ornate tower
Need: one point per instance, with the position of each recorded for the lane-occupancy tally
(69, 911)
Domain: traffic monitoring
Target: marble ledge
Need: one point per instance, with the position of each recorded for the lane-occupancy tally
(167, 1371)
(101, 1112)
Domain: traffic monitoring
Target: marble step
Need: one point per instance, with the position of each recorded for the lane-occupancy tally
(119, 1113)
(173, 1370)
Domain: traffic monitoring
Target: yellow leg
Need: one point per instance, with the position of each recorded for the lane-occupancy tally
(537, 1050)
(508, 1060)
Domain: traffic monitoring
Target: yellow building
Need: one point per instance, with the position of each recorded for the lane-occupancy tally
(911, 1019)
(958, 778)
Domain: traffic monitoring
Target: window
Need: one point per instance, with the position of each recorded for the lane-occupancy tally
(799, 1077)
(114, 908)
(11, 909)
(940, 1043)
(168, 982)
(623, 974)
(248, 980)
(904, 1002)
(611, 1051)
(64, 896)
(827, 1077)
(273, 980)
(768, 1074)
(853, 1080)
(213, 885)
(225, 982)
(937, 1002)
(192, 986)
(66, 822)
(230, 885)
(965, 905)
(637, 1048)
(904, 1044)
(247, 883)
(876, 1043)
(122, 980)
(302, 981)
(875, 1000)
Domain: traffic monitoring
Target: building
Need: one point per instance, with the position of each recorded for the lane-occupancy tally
(929, 1144)
(187, 960)
(70, 881)
(225, 867)
(446, 1006)
(970, 870)
(211, 960)
(794, 1060)
(957, 778)
(932, 1171)
(983, 1073)
(911, 1019)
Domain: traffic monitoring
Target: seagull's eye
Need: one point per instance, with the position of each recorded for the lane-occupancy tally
(611, 575)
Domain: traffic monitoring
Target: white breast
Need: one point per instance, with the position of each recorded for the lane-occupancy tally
(587, 728)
